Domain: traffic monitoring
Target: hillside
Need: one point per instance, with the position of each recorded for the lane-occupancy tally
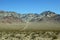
(46, 20)
(10, 17)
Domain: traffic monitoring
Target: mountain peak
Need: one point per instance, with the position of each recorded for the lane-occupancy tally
(48, 13)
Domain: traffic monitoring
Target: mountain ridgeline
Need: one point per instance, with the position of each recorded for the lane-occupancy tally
(11, 17)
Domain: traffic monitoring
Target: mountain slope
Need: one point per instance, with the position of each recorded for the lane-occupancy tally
(31, 17)
(29, 22)
(9, 17)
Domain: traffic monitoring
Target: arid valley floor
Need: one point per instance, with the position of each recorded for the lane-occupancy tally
(30, 31)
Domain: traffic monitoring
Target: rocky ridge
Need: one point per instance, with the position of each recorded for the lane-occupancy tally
(10, 17)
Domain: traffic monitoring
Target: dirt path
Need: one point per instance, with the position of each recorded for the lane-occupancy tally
(27, 24)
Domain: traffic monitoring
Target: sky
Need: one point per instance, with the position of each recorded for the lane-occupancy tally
(30, 6)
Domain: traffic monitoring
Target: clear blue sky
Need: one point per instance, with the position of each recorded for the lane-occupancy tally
(30, 6)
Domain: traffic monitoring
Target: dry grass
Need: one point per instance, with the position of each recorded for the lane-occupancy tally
(32, 26)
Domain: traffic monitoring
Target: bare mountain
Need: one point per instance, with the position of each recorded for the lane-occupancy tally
(46, 20)
(10, 17)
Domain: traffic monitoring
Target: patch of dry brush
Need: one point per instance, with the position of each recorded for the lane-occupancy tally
(41, 35)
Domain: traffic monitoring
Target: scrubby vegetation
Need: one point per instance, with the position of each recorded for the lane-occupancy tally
(39, 35)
